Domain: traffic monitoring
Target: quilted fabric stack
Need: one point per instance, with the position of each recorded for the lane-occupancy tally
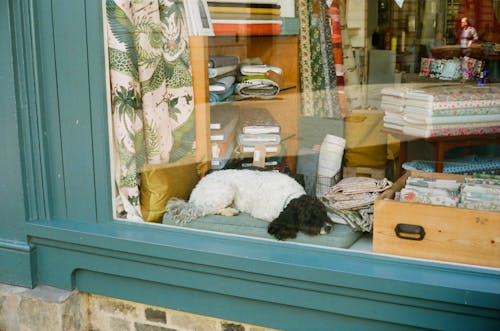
(444, 110)
(479, 192)
(393, 105)
(463, 68)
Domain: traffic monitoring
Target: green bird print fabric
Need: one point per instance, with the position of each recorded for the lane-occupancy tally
(152, 102)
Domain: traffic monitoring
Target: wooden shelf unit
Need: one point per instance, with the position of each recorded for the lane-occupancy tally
(280, 51)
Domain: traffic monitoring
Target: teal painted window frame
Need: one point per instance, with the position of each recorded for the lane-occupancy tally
(70, 240)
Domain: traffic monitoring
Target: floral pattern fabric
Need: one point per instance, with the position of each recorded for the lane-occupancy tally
(318, 78)
(151, 90)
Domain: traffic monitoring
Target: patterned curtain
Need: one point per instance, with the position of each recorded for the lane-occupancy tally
(151, 90)
(318, 79)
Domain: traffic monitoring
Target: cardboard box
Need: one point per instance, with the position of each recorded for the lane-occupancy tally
(435, 232)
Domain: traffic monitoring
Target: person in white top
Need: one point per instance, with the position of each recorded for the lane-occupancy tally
(468, 34)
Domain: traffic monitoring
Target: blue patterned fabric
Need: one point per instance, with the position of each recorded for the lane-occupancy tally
(464, 165)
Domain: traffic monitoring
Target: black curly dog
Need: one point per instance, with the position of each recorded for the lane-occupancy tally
(306, 214)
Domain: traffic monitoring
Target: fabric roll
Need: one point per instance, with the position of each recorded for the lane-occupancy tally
(257, 88)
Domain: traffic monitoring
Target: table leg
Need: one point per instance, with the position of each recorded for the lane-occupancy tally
(403, 155)
(440, 150)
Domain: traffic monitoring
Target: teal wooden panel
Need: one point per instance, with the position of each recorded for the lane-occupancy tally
(186, 270)
(70, 44)
(27, 105)
(16, 256)
(99, 109)
(12, 211)
(65, 108)
(48, 111)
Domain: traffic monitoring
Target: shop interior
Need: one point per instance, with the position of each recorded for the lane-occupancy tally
(393, 51)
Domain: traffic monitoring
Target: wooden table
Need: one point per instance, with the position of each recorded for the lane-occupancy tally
(441, 145)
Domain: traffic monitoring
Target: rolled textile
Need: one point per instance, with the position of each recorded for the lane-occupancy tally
(257, 88)
(222, 85)
(215, 97)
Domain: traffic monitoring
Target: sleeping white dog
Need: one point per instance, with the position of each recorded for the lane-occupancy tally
(267, 195)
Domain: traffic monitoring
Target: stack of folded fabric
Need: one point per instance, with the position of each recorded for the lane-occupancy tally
(480, 193)
(258, 137)
(223, 130)
(222, 72)
(245, 17)
(463, 68)
(444, 110)
(257, 80)
(442, 192)
(351, 201)
(393, 106)
(452, 110)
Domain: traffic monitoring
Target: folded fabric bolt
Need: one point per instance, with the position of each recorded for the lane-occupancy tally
(447, 184)
(249, 77)
(257, 88)
(481, 188)
(458, 165)
(480, 205)
(218, 97)
(358, 220)
(254, 139)
(222, 85)
(431, 196)
(484, 179)
(452, 119)
(352, 201)
(480, 193)
(214, 72)
(215, 61)
(478, 196)
(353, 185)
(253, 69)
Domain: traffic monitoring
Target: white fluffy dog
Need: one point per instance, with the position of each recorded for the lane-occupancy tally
(267, 195)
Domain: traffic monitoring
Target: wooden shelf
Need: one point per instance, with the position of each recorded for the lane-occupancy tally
(280, 51)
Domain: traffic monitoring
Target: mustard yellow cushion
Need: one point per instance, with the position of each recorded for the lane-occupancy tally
(392, 147)
(160, 182)
(366, 144)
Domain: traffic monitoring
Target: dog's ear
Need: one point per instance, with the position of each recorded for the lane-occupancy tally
(311, 215)
(285, 226)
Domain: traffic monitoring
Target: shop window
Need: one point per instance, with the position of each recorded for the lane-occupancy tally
(198, 87)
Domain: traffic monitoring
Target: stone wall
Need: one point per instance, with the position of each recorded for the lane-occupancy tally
(51, 309)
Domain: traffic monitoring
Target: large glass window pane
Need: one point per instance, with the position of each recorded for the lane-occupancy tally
(344, 98)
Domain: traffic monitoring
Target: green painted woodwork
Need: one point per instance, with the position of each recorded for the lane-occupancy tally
(335, 283)
(56, 226)
(17, 263)
(16, 255)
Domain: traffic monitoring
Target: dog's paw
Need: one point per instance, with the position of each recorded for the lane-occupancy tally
(281, 231)
(228, 211)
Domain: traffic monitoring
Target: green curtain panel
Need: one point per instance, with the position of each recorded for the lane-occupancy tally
(151, 91)
(318, 80)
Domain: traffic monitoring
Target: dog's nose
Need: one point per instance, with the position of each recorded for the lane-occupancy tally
(327, 228)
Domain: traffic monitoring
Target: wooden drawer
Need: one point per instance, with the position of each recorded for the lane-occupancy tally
(435, 232)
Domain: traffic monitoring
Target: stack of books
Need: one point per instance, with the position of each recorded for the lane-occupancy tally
(258, 139)
(223, 132)
(245, 17)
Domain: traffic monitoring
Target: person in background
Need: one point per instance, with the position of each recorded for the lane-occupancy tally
(468, 34)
